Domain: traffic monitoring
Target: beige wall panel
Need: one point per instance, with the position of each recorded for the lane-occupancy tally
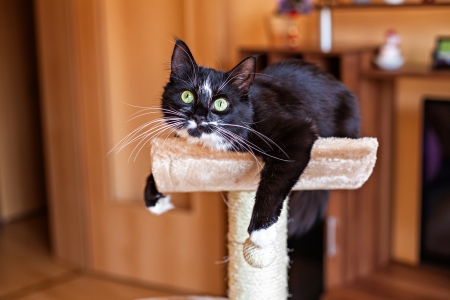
(406, 223)
(139, 42)
(206, 30)
(247, 24)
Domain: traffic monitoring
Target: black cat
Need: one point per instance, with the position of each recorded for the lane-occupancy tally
(277, 115)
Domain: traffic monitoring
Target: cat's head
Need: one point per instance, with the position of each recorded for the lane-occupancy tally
(206, 106)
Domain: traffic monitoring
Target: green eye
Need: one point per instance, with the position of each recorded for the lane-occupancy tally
(220, 104)
(187, 97)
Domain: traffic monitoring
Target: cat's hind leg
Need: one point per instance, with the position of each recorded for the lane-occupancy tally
(156, 202)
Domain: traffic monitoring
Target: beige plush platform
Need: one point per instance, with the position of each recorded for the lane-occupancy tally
(336, 163)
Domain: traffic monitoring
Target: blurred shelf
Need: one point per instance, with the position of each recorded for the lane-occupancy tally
(408, 71)
(384, 5)
(254, 50)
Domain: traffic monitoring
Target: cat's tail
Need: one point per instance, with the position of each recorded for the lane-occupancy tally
(305, 209)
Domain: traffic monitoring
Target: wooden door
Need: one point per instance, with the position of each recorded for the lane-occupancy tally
(99, 60)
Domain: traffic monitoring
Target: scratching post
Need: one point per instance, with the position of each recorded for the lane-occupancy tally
(254, 273)
(246, 282)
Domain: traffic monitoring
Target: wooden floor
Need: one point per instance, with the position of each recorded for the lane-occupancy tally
(28, 272)
(397, 282)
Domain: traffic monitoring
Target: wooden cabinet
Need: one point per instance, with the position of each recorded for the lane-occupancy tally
(410, 86)
(358, 222)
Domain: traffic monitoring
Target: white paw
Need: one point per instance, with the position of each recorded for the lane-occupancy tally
(161, 206)
(264, 237)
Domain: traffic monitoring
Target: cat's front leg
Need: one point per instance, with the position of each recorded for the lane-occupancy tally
(156, 202)
(276, 181)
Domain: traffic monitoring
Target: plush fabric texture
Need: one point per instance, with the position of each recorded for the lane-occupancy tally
(336, 163)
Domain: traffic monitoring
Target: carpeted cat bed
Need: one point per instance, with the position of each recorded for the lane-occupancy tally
(256, 273)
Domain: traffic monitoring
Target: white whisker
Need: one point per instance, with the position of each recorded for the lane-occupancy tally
(242, 143)
(146, 135)
(149, 137)
(134, 132)
(132, 136)
(263, 137)
(152, 112)
(159, 109)
(254, 147)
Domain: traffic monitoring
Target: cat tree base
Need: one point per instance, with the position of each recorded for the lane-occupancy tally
(335, 164)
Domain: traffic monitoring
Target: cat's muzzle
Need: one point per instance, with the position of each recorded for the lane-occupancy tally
(197, 132)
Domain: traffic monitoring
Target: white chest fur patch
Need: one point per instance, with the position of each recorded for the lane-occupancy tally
(210, 140)
(264, 237)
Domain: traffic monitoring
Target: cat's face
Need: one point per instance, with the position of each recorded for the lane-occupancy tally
(206, 106)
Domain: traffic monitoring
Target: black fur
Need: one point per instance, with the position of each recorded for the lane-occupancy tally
(291, 102)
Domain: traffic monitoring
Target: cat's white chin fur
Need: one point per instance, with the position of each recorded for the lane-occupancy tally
(210, 140)
(264, 237)
(161, 206)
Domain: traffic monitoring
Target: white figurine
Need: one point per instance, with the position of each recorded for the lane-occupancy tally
(393, 2)
(390, 57)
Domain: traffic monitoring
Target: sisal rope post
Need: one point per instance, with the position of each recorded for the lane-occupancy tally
(269, 279)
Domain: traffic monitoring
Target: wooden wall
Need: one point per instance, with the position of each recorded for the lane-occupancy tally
(21, 170)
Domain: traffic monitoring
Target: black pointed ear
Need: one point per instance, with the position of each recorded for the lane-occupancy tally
(182, 59)
(241, 77)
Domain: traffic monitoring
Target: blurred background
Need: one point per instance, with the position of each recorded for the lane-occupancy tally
(74, 72)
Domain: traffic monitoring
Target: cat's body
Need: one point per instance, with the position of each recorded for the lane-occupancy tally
(277, 115)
